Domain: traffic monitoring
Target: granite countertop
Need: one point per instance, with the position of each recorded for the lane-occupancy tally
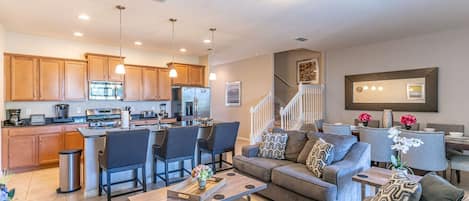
(101, 132)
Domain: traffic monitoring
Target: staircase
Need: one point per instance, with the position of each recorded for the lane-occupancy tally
(262, 117)
(304, 108)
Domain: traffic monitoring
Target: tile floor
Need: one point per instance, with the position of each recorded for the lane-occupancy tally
(41, 185)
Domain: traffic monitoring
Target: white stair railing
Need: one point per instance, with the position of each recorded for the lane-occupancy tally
(305, 107)
(262, 116)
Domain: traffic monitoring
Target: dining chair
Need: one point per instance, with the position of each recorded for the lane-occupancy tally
(178, 146)
(414, 127)
(337, 129)
(124, 151)
(221, 140)
(380, 144)
(318, 123)
(430, 156)
(371, 123)
(446, 127)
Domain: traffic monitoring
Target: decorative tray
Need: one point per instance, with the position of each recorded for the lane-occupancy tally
(189, 189)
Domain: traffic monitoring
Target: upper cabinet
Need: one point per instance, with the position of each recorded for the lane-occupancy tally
(164, 84)
(102, 67)
(150, 83)
(147, 83)
(31, 78)
(133, 83)
(188, 74)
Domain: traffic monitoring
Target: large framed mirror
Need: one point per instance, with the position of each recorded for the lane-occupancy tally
(408, 90)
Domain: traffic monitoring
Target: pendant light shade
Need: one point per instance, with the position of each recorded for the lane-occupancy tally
(173, 73)
(212, 76)
(120, 68)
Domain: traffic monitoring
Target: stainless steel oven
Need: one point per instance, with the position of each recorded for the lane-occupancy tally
(100, 90)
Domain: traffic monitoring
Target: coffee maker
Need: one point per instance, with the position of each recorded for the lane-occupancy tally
(61, 113)
(13, 117)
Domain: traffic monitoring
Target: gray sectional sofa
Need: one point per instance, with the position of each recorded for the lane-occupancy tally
(290, 180)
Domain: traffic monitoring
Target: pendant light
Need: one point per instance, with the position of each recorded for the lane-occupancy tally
(172, 72)
(212, 76)
(120, 69)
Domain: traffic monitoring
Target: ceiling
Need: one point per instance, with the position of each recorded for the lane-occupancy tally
(244, 27)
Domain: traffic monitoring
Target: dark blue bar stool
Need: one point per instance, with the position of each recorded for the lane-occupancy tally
(125, 150)
(221, 140)
(178, 145)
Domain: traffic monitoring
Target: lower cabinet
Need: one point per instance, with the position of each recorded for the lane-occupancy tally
(22, 151)
(49, 147)
(73, 140)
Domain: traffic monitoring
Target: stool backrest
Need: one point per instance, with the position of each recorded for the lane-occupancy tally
(179, 142)
(223, 136)
(126, 148)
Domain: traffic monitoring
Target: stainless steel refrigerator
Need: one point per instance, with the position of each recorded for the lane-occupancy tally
(191, 103)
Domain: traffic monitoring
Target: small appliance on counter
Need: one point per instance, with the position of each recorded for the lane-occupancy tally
(13, 117)
(38, 119)
(163, 113)
(148, 114)
(103, 117)
(61, 114)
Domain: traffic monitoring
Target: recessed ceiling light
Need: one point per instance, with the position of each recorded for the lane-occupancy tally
(78, 34)
(84, 17)
(183, 50)
(301, 39)
(138, 43)
(206, 41)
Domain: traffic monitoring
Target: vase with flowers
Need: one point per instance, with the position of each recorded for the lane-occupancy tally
(202, 173)
(402, 146)
(408, 121)
(364, 118)
(5, 193)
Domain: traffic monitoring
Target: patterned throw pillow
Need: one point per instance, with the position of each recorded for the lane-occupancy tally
(399, 189)
(320, 156)
(273, 145)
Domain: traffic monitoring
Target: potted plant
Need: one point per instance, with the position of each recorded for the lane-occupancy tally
(202, 173)
(5, 194)
(401, 145)
(364, 118)
(408, 120)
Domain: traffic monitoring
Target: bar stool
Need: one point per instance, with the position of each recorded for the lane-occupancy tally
(221, 140)
(116, 158)
(178, 145)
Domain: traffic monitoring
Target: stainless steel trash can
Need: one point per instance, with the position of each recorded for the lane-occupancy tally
(69, 173)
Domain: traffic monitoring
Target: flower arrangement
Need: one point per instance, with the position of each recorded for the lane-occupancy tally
(364, 118)
(402, 146)
(5, 194)
(408, 120)
(202, 173)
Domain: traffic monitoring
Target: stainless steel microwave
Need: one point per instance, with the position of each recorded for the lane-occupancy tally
(101, 90)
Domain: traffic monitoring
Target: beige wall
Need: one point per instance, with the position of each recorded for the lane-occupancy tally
(256, 76)
(447, 50)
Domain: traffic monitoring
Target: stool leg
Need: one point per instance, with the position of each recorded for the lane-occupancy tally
(144, 179)
(458, 176)
(166, 173)
(193, 163)
(135, 178)
(221, 160)
(108, 175)
(199, 159)
(100, 186)
(181, 172)
(155, 170)
(214, 167)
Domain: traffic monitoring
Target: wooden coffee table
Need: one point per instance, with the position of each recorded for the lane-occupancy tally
(236, 187)
(377, 177)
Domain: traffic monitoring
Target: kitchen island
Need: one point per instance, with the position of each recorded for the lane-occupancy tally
(94, 141)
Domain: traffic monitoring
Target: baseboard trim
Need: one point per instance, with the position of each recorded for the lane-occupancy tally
(244, 139)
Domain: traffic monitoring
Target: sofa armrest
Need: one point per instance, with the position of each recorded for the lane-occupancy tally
(250, 150)
(341, 172)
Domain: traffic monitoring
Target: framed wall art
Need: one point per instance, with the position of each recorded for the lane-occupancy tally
(233, 93)
(307, 71)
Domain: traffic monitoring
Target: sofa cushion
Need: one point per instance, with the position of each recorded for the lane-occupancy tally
(273, 145)
(260, 168)
(297, 178)
(296, 141)
(320, 156)
(305, 151)
(342, 143)
(435, 188)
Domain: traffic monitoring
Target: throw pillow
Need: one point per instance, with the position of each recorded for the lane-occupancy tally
(342, 143)
(399, 189)
(295, 143)
(435, 188)
(273, 145)
(305, 151)
(320, 156)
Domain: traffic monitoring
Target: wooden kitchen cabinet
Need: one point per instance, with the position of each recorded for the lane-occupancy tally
(51, 79)
(112, 75)
(149, 83)
(6, 76)
(196, 75)
(102, 67)
(73, 140)
(164, 84)
(75, 80)
(22, 151)
(23, 78)
(49, 147)
(133, 83)
(182, 73)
